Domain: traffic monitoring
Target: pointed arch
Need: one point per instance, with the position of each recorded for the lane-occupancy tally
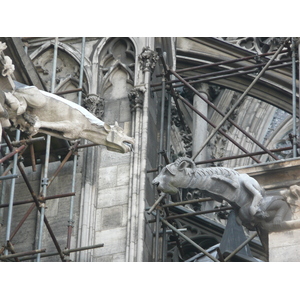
(68, 66)
(116, 59)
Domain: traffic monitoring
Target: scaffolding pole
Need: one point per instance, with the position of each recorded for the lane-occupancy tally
(12, 193)
(39, 201)
(189, 240)
(212, 76)
(46, 165)
(294, 135)
(238, 102)
(166, 73)
(71, 211)
(167, 70)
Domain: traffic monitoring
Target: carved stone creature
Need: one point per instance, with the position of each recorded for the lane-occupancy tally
(292, 197)
(241, 191)
(33, 111)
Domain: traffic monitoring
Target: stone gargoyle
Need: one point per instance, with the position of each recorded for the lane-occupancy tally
(32, 110)
(253, 208)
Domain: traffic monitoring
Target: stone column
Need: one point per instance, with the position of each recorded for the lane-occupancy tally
(139, 99)
(200, 132)
(200, 125)
(136, 98)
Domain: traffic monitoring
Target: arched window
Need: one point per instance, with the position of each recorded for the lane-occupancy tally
(67, 69)
(117, 63)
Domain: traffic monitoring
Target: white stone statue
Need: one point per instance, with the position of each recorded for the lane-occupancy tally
(32, 111)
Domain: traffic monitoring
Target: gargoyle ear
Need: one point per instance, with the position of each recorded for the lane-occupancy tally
(107, 127)
(116, 124)
(169, 170)
(182, 165)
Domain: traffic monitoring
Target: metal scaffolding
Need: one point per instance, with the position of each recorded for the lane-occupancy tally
(15, 149)
(161, 210)
(171, 80)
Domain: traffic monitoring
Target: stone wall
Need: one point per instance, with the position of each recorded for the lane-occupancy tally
(57, 211)
(284, 246)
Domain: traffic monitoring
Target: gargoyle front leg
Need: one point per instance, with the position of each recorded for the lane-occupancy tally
(18, 105)
(282, 211)
(254, 189)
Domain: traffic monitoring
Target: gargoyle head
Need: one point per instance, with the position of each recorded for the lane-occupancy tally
(175, 175)
(117, 140)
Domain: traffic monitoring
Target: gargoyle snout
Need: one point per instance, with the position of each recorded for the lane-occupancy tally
(155, 182)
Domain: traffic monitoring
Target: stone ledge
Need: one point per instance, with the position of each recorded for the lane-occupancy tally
(276, 174)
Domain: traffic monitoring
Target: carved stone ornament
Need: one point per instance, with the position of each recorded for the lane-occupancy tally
(136, 98)
(252, 206)
(292, 197)
(6, 66)
(148, 59)
(257, 44)
(34, 111)
(94, 104)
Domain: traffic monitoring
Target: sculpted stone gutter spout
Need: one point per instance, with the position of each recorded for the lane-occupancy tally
(252, 206)
(33, 111)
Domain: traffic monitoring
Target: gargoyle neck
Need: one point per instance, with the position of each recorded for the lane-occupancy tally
(192, 181)
(189, 180)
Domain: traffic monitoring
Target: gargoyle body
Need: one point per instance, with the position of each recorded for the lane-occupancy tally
(33, 111)
(241, 191)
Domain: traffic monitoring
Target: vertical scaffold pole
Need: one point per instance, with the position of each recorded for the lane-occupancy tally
(298, 42)
(81, 70)
(71, 221)
(294, 97)
(12, 194)
(3, 191)
(168, 153)
(47, 155)
(162, 120)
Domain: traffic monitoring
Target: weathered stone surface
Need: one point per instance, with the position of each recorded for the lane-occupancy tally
(111, 197)
(119, 257)
(109, 158)
(114, 241)
(284, 246)
(274, 175)
(123, 175)
(112, 217)
(108, 177)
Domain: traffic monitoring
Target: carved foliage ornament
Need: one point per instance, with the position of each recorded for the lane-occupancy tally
(292, 197)
(257, 44)
(136, 98)
(94, 104)
(148, 59)
(7, 68)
